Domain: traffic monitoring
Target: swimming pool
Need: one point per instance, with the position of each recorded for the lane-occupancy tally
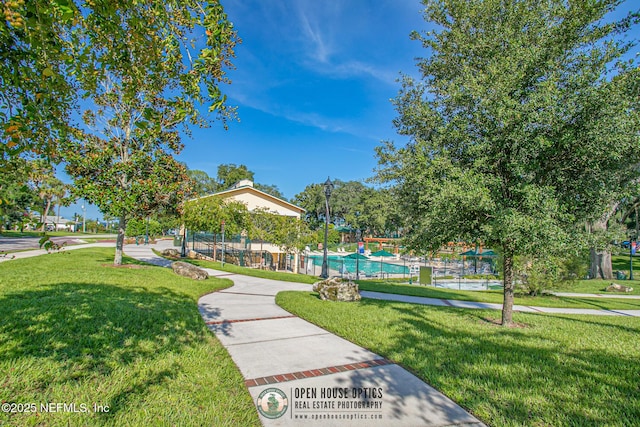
(340, 265)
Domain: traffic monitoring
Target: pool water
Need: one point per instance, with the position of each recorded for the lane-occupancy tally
(366, 266)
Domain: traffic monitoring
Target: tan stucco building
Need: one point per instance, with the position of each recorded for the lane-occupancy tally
(244, 192)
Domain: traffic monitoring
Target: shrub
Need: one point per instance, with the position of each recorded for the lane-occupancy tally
(535, 274)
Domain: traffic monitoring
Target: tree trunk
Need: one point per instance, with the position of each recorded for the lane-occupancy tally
(600, 260)
(44, 215)
(117, 260)
(507, 305)
(600, 264)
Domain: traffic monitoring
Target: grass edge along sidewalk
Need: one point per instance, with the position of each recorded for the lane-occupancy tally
(497, 296)
(76, 330)
(559, 370)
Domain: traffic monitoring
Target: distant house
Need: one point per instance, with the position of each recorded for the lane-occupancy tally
(244, 192)
(58, 223)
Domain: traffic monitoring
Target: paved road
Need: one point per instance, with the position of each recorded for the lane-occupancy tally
(24, 243)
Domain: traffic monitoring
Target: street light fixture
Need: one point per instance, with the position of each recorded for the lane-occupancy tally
(358, 236)
(84, 218)
(328, 187)
(222, 257)
(632, 252)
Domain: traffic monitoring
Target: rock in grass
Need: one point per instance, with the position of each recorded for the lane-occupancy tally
(335, 289)
(189, 270)
(171, 253)
(614, 287)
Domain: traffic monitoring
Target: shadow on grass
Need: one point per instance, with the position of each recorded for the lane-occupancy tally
(90, 330)
(555, 370)
(519, 376)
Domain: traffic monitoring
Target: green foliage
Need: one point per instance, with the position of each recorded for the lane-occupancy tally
(229, 174)
(291, 234)
(201, 183)
(140, 227)
(352, 204)
(147, 70)
(47, 186)
(263, 225)
(208, 213)
(16, 196)
(535, 275)
(312, 200)
(36, 99)
(57, 51)
(269, 189)
(49, 245)
(516, 129)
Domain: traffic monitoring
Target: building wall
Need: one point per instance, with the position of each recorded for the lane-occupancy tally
(253, 201)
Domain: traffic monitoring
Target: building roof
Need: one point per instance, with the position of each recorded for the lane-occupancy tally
(246, 187)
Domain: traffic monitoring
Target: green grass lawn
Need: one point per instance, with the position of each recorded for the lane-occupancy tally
(74, 329)
(497, 296)
(555, 370)
(597, 286)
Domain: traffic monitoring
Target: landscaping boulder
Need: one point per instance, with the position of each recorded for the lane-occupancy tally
(189, 270)
(171, 253)
(614, 287)
(334, 289)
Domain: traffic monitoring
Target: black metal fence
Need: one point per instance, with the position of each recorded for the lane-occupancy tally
(236, 251)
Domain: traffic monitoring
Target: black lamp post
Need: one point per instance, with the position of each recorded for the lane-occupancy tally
(222, 257)
(146, 233)
(328, 187)
(358, 236)
(632, 252)
(183, 248)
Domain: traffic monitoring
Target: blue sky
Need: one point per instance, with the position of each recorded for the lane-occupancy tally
(312, 86)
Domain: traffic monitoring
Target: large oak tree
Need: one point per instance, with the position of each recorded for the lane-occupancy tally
(515, 128)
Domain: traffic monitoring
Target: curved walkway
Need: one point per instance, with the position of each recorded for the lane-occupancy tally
(317, 371)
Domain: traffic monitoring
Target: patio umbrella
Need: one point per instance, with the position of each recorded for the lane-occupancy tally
(487, 253)
(382, 253)
(355, 255)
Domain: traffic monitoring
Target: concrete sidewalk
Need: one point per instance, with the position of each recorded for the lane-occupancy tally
(582, 295)
(492, 306)
(327, 380)
(299, 374)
